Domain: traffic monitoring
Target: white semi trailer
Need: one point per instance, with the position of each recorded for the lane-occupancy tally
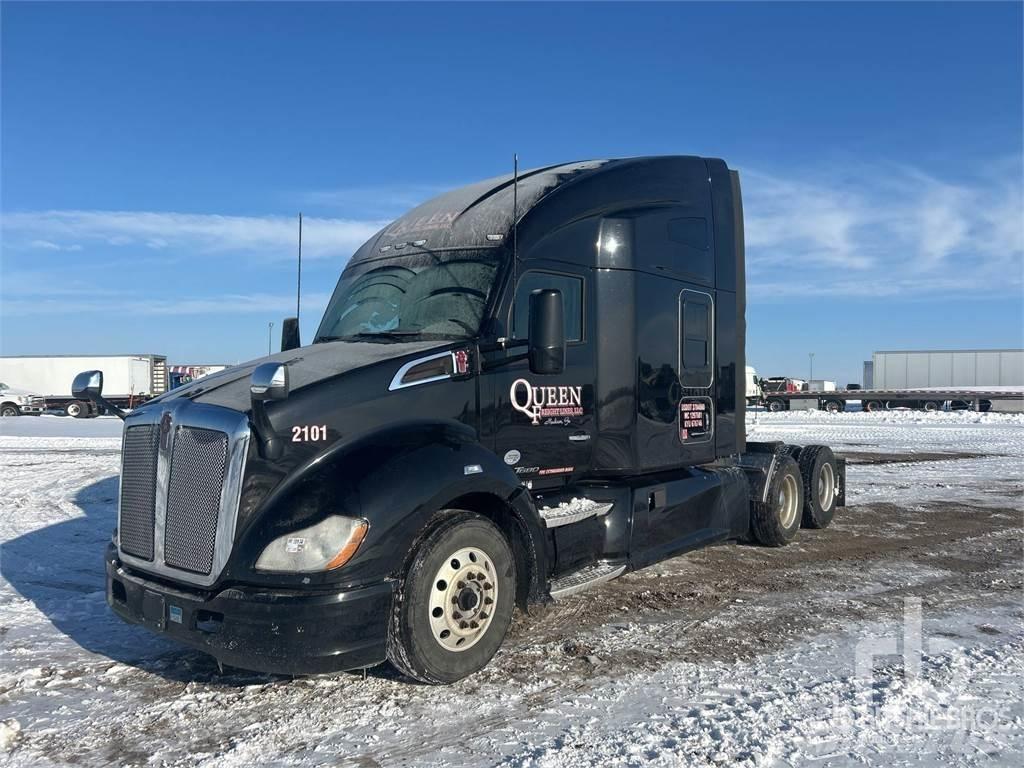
(131, 379)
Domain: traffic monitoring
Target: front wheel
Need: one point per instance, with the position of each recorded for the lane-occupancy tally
(455, 606)
(9, 411)
(776, 405)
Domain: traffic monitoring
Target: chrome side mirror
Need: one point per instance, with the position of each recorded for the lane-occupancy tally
(88, 385)
(269, 382)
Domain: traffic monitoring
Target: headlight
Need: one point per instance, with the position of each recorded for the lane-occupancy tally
(321, 547)
(22, 399)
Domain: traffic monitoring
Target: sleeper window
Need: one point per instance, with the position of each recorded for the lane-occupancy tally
(695, 339)
(572, 300)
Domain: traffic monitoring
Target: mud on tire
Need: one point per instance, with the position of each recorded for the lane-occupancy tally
(776, 521)
(820, 474)
(442, 627)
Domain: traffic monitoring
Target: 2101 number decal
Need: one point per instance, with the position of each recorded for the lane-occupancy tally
(309, 433)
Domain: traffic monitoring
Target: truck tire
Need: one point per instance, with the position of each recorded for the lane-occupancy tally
(835, 406)
(455, 604)
(820, 474)
(776, 521)
(9, 410)
(932, 405)
(873, 406)
(76, 409)
(775, 405)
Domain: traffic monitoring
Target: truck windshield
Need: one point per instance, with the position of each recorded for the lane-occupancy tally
(427, 295)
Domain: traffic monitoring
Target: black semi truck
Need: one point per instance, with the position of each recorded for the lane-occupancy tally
(519, 390)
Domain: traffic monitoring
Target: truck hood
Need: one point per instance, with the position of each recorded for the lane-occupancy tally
(306, 366)
(16, 391)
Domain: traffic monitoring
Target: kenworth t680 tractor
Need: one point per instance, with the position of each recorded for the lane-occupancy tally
(519, 390)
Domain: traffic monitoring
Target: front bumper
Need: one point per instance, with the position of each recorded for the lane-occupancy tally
(32, 409)
(283, 632)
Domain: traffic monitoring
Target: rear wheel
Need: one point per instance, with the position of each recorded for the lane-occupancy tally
(7, 411)
(834, 406)
(820, 475)
(873, 406)
(932, 405)
(75, 409)
(776, 405)
(775, 522)
(455, 605)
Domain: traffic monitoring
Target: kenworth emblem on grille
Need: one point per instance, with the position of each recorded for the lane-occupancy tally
(165, 430)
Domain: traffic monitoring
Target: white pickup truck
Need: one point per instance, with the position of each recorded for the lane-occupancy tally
(20, 402)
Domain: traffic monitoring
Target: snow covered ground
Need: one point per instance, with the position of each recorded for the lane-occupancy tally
(894, 637)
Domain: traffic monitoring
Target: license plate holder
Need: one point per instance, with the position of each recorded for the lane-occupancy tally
(154, 609)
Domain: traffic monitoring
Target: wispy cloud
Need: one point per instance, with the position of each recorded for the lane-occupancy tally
(46, 245)
(861, 231)
(883, 231)
(374, 202)
(74, 300)
(271, 236)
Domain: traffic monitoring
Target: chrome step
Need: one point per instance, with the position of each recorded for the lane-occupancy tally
(585, 578)
(573, 511)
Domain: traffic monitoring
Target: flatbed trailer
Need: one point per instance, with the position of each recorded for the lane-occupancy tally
(886, 399)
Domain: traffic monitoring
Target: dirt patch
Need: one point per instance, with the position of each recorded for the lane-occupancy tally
(868, 457)
(735, 602)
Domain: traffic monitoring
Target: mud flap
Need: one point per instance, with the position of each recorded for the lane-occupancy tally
(840, 482)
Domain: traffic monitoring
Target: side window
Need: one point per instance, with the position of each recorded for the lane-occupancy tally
(572, 298)
(696, 339)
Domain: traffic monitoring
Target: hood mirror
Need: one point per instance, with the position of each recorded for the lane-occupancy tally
(87, 385)
(269, 382)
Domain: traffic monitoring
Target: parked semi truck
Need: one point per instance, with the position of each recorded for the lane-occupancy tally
(518, 390)
(130, 379)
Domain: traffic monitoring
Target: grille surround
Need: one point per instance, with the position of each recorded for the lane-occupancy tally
(199, 463)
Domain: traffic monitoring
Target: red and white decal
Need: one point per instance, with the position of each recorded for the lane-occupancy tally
(460, 359)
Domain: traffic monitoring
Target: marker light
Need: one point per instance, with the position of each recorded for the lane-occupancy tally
(322, 547)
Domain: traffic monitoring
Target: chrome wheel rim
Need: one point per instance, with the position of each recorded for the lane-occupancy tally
(787, 501)
(463, 597)
(826, 486)
(74, 410)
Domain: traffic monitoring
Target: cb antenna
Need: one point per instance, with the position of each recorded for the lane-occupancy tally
(515, 218)
(298, 281)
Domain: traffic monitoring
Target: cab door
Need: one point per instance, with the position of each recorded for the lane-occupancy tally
(543, 426)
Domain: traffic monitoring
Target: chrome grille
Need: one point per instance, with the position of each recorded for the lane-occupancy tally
(193, 498)
(181, 480)
(138, 489)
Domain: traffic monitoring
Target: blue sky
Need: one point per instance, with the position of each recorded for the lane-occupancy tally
(154, 156)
